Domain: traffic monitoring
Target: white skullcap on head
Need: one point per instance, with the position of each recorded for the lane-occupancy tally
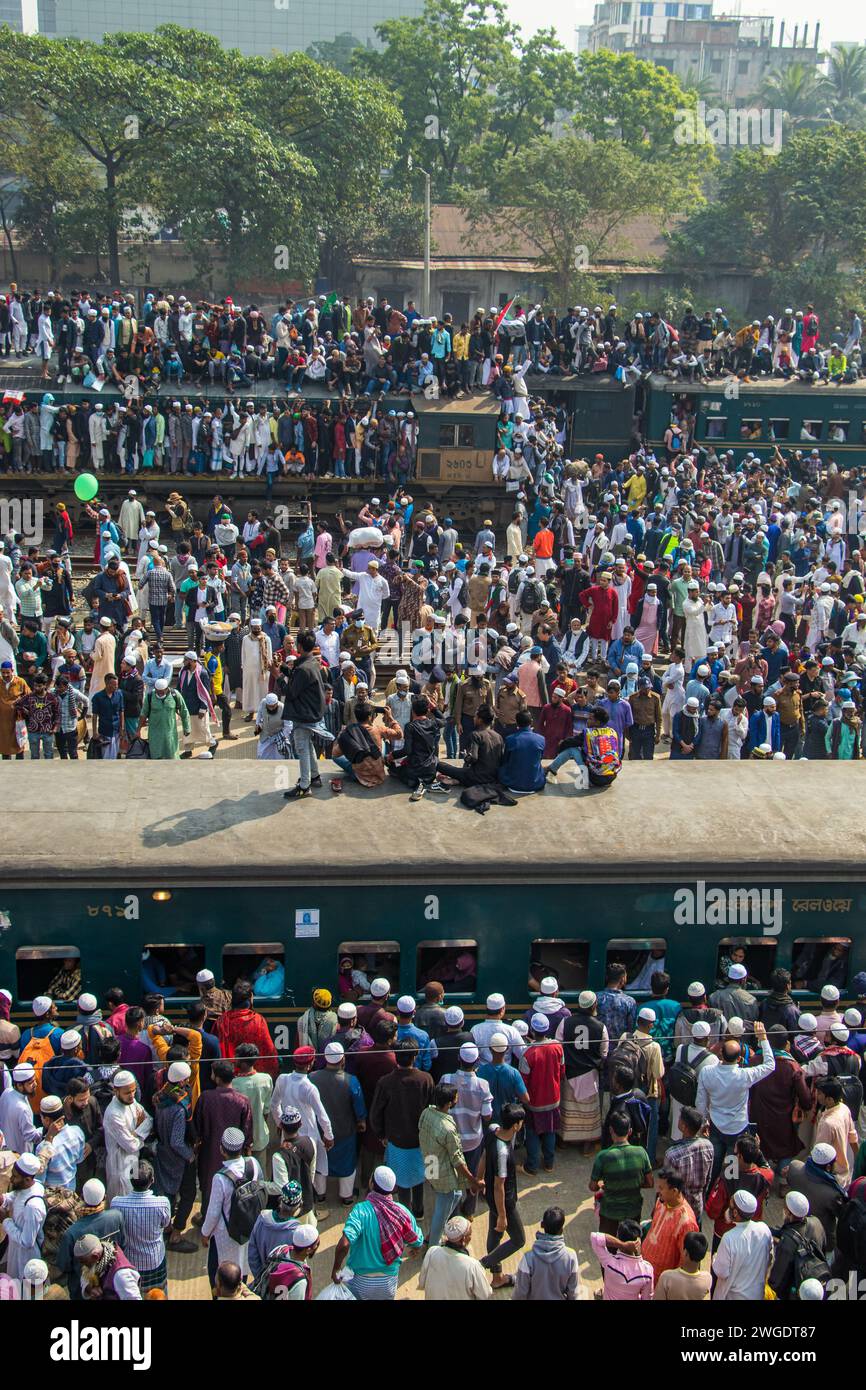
(736, 1027)
(737, 972)
(179, 1071)
(456, 1228)
(829, 994)
(380, 988)
(807, 1023)
(50, 1105)
(334, 1052)
(852, 1018)
(586, 999)
(696, 990)
(29, 1165)
(701, 1030)
(304, 1237)
(23, 1072)
(498, 1042)
(823, 1154)
(385, 1178)
(495, 1002)
(70, 1040)
(469, 1053)
(347, 1010)
(453, 1016)
(406, 1004)
(811, 1291)
(87, 1003)
(41, 1004)
(540, 1023)
(549, 985)
(797, 1204)
(122, 1078)
(648, 1015)
(745, 1202)
(204, 977)
(839, 1032)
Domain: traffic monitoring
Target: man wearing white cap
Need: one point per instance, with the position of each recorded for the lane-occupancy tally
(649, 1068)
(23, 1211)
(59, 1071)
(16, 1113)
(495, 1023)
(815, 1177)
(94, 1220)
(235, 1169)
(216, 1001)
(735, 1001)
(801, 1237)
(543, 1068)
(66, 1148)
(745, 1252)
(126, 1127)
(830, 1012)
(472, 1111)
(449, 1272)
(697, 1010)
(346, 1109)
(378, 1235)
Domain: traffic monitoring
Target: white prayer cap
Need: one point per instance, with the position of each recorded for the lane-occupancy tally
(852, 1018)
(50, 1105)
(701, 1030)
(737, 972)
(35, 1272)
(23, 1072)
(456, 1228)
(495, 1002)
(385, 1178)
(696, 990)
(521, 1027)
(271, 700)
(811, 1291)
(648, 1015)
(586, 999)
(190, 656)
(232, 1140)
(380, 988)
(829, 994)
(70, 1040)
(823, 1155)
(121, 1079)
(540, 1023)
(498, 1043)
(347, 1010)
(807, 1023)
(93, 1192)
(162, 685)
(453, 1016)
(797, 1204)
(179, 1071)
(87, 1247)
(29, 1165)
(6, 994)
(304, 1237)
(736, 1027)
(406, 1004)
(204, 977)
(469, 1053)
(87, 1004)
(334, 1052)
(745, 1202)
(41, 1004)
(839, 1032)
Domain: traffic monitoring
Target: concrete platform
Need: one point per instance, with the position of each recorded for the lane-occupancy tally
(145, 821)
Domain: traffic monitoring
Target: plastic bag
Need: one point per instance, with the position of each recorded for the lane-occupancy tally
(364, 537)
(337, 1293)
(21, 734)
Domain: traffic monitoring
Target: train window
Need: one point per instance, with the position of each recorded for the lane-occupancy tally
(453, 963)
(169, 968)
(51, 970)
(717, 428)
(359, 962)
(780, 429)
(751, 429)
(261, 963)
(756, 953)
(466, 436)
(566, 961)
(810, 431)
(641, 956)
(837, 431)
(820, 960)
(448, 436)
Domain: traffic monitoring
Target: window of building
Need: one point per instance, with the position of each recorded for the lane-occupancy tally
(837, 431)
(647, 9)
(742, 67)
(779, 429)
(260, 963)
(666, 63)
(810, 431)
(51, 970)
(453, 963)
(817, 961)
(170, 968)
(642, 958)
(751, 429)
(566, 961)
(672, 11)
(717, 427)
(360, 962)
(756, 953)
(715, 65)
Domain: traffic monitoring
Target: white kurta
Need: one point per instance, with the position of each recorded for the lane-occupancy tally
(673, 685)
(9, 601)
(255, 683)
(216, 1216)
(103, 662)
(23, 1226)
(623, 592)
(126, 1127)
(131, 518)
(696, 630)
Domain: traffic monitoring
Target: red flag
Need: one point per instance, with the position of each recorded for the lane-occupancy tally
(504, 313)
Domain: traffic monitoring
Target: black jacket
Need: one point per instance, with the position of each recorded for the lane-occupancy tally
(421, 746)
(305, 692)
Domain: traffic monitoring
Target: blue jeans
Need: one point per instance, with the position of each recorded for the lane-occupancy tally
(450, 736)
(41, 745)
(306, 754)
(443, 1208)
(572, 755)
(539, 1146)
(345, 765)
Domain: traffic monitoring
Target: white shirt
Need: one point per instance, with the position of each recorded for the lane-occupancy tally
(16, 1122)
(742, 1260)
(723, 1091)
(483, 1032)
(295, 1091)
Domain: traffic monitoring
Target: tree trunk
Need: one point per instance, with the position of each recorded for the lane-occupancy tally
(8, 235)
(111, 225)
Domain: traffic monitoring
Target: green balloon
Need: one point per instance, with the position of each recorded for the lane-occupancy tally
(86, 487)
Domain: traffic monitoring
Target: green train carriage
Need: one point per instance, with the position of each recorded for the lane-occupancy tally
(563, 885)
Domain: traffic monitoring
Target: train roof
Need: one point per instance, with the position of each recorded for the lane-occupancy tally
(180, 824)
(769, 386)
(456, 405)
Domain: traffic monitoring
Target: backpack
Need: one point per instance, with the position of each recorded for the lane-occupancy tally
(514, 581)
(37, 1052)
(530, 598)
(681, 1079)
(250, 1197)
(280, 1262)
(628, 1053)
(851, 1234)
(852, 1086)
(809, 1261)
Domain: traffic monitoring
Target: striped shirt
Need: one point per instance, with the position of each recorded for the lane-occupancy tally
(72, 704)
(145, 1217)
(474, 1106)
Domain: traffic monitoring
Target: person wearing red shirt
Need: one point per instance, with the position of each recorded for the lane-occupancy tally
(602, 603)
(241, 1024)
(555, 722)
(542, 1067)
(672, 1220)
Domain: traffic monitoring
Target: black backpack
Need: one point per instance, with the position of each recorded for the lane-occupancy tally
(250, 1197)
(531, 597)
(809, 1261)
(681, 1078)
(514, 581)
(852, 1086)
(851, 1234)
(628, 1053)
(277, 1259)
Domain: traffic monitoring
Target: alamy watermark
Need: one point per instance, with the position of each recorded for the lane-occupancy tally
(729, 127)
(22, 516)
(729, 907)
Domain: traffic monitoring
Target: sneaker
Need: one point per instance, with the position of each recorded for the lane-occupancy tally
(416, 795)
(437, 786)
(296, 793)
(212, 747)
(316, 782)
(187, 754)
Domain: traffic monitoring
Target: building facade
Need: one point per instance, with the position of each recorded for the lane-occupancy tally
(255, 27)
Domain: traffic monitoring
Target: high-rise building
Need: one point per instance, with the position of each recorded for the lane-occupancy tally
(253, 26)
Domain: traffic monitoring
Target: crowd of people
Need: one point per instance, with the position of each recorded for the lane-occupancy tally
(128, 1135)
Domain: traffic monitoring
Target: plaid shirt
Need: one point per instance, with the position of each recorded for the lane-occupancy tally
(274, 591)
(72, 705)
(692, 1159)
(160, 587)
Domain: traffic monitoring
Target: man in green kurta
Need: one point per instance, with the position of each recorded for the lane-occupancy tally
(160, 713)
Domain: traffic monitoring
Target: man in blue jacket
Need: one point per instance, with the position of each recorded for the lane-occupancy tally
(521, 769)
(765, 726)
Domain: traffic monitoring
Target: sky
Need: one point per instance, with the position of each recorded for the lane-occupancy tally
(842, 21)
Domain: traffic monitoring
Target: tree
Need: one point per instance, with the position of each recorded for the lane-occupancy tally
(845, 83)
(797, 219)
(471, 89)
(569, 198)
(336, 53)
(797, 91)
